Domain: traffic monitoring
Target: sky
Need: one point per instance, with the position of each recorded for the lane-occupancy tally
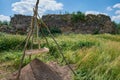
(108, 7)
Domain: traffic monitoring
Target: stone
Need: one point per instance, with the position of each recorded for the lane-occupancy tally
(92, 24)
(37, 70)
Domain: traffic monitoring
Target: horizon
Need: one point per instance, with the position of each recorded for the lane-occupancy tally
(110, 8)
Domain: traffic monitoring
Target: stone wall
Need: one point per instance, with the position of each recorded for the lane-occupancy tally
(92, 24)
(20, 23)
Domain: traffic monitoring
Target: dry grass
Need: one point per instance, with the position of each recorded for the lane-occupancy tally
(97, 57)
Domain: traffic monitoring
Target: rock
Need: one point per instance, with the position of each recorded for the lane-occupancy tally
(20, 23)
(6, 29)
(92, 24)
(37, 70)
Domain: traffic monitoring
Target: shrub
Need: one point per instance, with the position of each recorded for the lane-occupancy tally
(79, 16)
(4, 23)
(118, 28)
(10, 42)
(54, 30)
(96, 31)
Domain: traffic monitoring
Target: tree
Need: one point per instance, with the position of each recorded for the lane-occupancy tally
(5, 23)
(79, 16)
(0, 23)
(117, 26)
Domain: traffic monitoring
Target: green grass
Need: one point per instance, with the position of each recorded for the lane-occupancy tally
(10, 42)
(96, 57)
(110, 37)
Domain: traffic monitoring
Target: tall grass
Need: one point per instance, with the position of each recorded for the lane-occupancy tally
(10, 42)
(96, 57)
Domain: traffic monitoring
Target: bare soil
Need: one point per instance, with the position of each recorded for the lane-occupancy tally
(42, 71)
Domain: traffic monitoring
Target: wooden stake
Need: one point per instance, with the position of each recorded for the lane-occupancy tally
(28, 38)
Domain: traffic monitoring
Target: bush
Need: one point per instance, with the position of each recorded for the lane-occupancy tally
(96, 31)
(54, 30)
(79, 16)
(118, 28)
(4, 23)
(10, 42)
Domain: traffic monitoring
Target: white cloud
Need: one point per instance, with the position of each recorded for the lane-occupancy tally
(117, 12)
(116, 5)
(109, 8)
(94, 12)
(26, 6)
(4, 18)
(116, 18)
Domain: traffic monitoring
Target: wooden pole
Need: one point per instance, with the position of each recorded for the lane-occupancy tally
(58, 46)
(28, 38)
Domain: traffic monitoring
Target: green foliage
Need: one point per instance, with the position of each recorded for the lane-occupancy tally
(54, 30)
(99, 63)
(79, 16)
(9, 56)
(0, 23)
(96, 57)
(117, 26)
(96, 31)
(14, 57)
(8, 42)
(70, 43)
(4, 23)
(110, 37)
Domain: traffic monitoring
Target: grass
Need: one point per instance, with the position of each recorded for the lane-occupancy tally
(9, 42)
(96, 57)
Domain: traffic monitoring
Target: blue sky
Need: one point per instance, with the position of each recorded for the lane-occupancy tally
(107, 7)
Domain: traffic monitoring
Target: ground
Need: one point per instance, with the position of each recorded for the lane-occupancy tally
(63, 71)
